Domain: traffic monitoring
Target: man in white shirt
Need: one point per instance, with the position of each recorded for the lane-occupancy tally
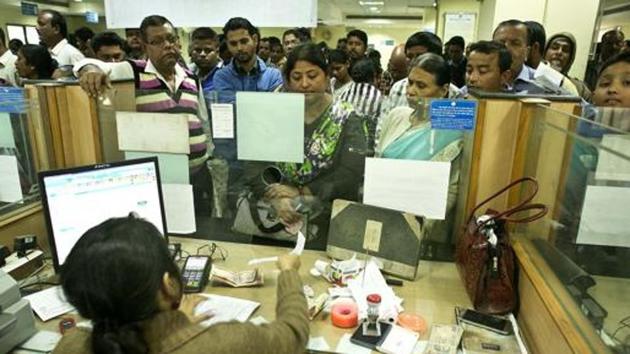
(7, 63)
(52, 30)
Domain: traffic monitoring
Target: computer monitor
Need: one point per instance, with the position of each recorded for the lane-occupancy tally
(78, 199)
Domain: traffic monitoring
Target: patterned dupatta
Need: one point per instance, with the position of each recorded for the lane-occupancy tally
(320, 147)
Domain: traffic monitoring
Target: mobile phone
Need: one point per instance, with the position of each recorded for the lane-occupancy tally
(195, 273)
(492, 323)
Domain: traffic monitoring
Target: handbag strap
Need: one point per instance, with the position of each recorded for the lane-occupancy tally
(253, 211)
(505, 189)
(505, 216)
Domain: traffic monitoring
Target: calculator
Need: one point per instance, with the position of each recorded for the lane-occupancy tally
(195, 273)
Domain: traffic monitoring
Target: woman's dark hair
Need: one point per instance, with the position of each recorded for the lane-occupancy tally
(308, 52)
(38, 57)
(153, 21)
(112, 277)
(433, 64)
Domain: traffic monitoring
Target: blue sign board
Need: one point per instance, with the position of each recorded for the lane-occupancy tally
(91, 17)
(29, 9)
(453, 114)
(12, 100)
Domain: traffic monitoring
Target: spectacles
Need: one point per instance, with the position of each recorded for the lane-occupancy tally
(216, 252)
(161, 41)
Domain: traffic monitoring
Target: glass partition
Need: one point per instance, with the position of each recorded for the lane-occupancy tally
(18, 164)
(583, 168)
(278, 161)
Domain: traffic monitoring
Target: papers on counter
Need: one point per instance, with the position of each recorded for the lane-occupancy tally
(42, 341)
(225, 309)
(371, 281)
(399, 341)
(318, 343)
(49, 303)
(416, 187)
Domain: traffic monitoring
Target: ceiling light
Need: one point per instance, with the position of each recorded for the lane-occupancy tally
(374, 8)
(371, 3)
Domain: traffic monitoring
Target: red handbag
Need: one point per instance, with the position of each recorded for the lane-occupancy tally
(484, 255)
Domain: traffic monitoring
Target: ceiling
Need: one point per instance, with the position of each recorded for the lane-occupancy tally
(349, 12)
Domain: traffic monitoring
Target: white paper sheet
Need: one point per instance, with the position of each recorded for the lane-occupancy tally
(547, 74)
(153, 132)
(399, 341)
(371, 281)
(173, 167)
(297, 250)
(42, 341)
(605, 218)
(270, 126)
(180, 208)
(10, 190)
(6, 131)
(222, 120)
(226, 308)
(317, 343)
(416, 187)
(347, 347)
(612, 167)
(49, 303)
(259, 320)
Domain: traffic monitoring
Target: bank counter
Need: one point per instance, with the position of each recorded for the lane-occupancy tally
(571, 281)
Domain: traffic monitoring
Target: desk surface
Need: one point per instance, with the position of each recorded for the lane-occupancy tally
(433, 294)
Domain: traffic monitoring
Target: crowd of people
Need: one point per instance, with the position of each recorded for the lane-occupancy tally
(353, 108)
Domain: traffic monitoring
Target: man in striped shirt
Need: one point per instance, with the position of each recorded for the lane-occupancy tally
(363, 94)
(162, 85)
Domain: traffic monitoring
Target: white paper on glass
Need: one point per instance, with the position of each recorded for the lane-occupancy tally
(270, 126)
(416, 187)
(173, 167)
(153, 132)
(6, 131)
(222, 120)
(10, 189)
(605, 218)
(610, 166)
(180, 208)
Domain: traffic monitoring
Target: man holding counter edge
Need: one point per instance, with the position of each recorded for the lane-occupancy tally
(162, 85)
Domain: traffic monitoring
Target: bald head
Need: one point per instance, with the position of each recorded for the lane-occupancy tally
(397, 65)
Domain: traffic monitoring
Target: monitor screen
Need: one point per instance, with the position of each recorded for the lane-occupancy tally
(78, 199)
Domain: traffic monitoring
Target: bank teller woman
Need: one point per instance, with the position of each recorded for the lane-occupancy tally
(335, 144)
(119, 276)
(406, 133)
